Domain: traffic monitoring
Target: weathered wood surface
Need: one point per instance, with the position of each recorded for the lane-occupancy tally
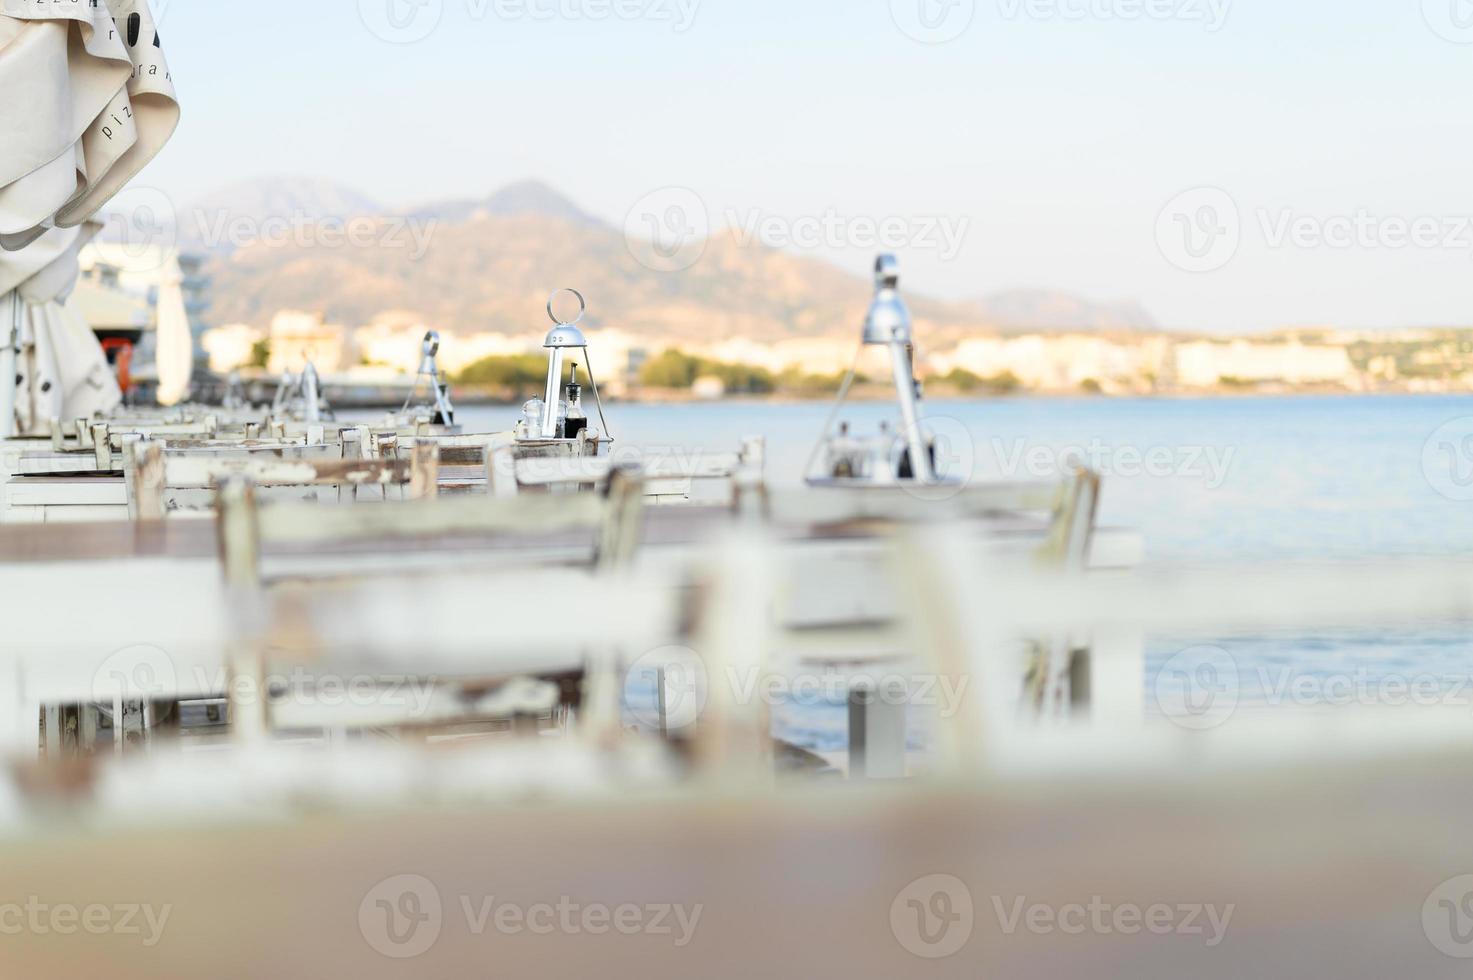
(65, 491)
(664, 527)
(1327, 866)
(192, 471)
(462, 518)
(106, 541)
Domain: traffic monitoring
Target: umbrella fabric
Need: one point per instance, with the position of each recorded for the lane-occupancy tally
(174, 345)
(88, 102)
(61, 371)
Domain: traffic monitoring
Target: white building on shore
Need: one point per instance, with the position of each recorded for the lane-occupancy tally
(1064, 362)
(1208, 363)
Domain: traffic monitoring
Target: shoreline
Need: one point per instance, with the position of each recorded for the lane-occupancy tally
(648, 398)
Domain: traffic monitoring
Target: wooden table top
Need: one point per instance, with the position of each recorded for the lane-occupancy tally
(195, 538)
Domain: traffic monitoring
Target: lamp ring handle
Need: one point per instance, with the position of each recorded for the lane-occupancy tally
(582, 307)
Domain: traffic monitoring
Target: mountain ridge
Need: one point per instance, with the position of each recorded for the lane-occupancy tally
(487, 264)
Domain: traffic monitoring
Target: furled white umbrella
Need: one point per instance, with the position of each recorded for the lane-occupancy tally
(60, 369)
(173, 343)
(88, 101)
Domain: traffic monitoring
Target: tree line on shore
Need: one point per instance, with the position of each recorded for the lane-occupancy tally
(523, 375)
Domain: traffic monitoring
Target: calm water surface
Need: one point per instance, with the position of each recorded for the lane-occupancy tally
(1238, 480)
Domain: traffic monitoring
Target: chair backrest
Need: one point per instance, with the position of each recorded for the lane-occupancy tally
(246, 530)
(84, 432)
(615, 516)
(155, 471)
(666, 476)
(1072, 528)
(1059, 677)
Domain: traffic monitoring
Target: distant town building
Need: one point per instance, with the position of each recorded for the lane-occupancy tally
(708, 388)
(618, 357)
(141, 271)
(811, 355)
(1059, 362)
(232, 346)
(297, 337)
(391, 341)
(1205, 364)
(106, 307)
(389, 346)
(460, 351)
(170, 284)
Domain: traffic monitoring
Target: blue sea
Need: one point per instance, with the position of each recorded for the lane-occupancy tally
(1204, 481)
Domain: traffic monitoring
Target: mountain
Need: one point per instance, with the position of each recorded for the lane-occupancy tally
(1038, 310)
(529, 197)
(492, 266)
(488, 264)
(234, 215)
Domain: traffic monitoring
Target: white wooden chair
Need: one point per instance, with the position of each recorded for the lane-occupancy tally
(874, 543)
(379, 540)
(669, 478)
(160, 481)
(1058, 679)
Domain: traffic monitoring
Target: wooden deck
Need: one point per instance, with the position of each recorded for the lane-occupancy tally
(1327, 869)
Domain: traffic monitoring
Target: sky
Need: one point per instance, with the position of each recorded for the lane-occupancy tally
(1231, 165)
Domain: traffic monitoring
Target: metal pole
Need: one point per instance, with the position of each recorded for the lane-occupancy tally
(554, 392)
(910, 413)
(664, 708)
(877, 735)
(9, 339)
(311, 396)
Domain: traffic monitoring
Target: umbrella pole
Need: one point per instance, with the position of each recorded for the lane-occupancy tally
(10, 311)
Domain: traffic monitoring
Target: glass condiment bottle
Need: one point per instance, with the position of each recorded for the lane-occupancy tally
(574, 420)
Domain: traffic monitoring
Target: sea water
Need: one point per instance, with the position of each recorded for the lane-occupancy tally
(1239, 480)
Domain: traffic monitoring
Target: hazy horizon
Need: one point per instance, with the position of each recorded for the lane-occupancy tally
(1231, 167)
